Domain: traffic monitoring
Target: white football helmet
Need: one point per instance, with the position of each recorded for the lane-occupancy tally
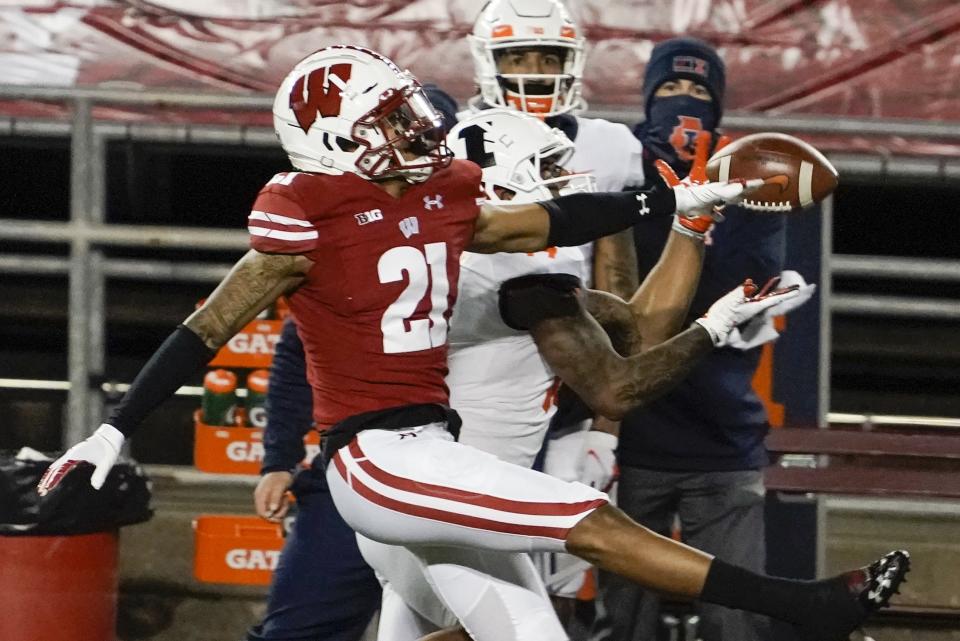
(518, 153)
(346, 109)
(509, 24)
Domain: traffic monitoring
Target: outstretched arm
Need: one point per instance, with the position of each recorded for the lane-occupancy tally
(253, 283)
(581, 354)
(580, 218)
(578, 350)
(657, 309)
(661, 303)
(615, 264)
(659, 306)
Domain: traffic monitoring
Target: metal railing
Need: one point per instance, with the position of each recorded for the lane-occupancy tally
(87, 232)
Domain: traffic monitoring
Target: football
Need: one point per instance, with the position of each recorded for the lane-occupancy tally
(797, 175)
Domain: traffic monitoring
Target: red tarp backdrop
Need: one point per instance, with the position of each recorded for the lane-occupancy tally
(861, 58)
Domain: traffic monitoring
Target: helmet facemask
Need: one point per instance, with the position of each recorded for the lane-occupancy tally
(543, 94)
(541, 25)
(403, 136)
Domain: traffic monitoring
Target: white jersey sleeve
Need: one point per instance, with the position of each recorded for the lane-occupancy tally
(610, 152)
(499, 383)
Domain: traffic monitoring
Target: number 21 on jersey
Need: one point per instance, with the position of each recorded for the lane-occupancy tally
(425, 270)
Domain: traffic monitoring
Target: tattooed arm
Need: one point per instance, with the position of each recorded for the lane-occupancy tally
(616, 318)
(615, 264)
(657, 309)
(581, 354)
(661, 303)
(254, 282)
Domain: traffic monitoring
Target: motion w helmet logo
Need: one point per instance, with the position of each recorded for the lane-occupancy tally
(320, 91)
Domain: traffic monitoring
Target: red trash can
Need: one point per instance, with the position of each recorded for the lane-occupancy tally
(59, 588)
(59, 553)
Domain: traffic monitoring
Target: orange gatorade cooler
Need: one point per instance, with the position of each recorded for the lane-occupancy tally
(219, 403)
(257, 398)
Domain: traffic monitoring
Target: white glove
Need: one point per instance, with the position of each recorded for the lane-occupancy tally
(695, 200)
(759, 329)
(599, 460)
(740, 305)
(100, 450)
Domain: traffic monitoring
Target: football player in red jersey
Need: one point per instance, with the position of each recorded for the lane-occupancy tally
(365, 239)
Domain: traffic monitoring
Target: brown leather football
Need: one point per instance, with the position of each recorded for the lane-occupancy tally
(797, 174)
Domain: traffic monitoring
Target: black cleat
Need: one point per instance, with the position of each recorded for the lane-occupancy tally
(875, 584)
(850, 598)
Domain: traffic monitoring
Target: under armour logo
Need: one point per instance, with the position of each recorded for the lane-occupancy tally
(642, 199)
(404, 435)
(433, 203)
(410, 226)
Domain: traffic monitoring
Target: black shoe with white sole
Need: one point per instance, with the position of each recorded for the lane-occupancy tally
(850, 598)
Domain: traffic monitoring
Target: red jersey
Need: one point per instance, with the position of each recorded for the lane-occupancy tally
(374, 309)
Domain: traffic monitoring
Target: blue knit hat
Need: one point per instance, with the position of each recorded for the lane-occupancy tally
(688, 58)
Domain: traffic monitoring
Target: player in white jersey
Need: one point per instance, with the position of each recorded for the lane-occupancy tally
(498, 381)
(529, 55)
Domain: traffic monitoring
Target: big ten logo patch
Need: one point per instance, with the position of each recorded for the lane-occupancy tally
(319, 92)
(366, 217)
(684, 135)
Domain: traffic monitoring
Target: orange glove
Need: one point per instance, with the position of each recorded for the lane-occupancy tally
(695, 225)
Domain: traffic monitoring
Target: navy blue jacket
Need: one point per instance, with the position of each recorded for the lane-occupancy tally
(713, 421)
(289, 404)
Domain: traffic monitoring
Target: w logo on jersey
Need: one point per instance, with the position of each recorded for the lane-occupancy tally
(684, 136)
(320, 91)
(410, 226)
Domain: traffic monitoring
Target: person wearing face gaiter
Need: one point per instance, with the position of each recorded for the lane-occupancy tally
(696, 453)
